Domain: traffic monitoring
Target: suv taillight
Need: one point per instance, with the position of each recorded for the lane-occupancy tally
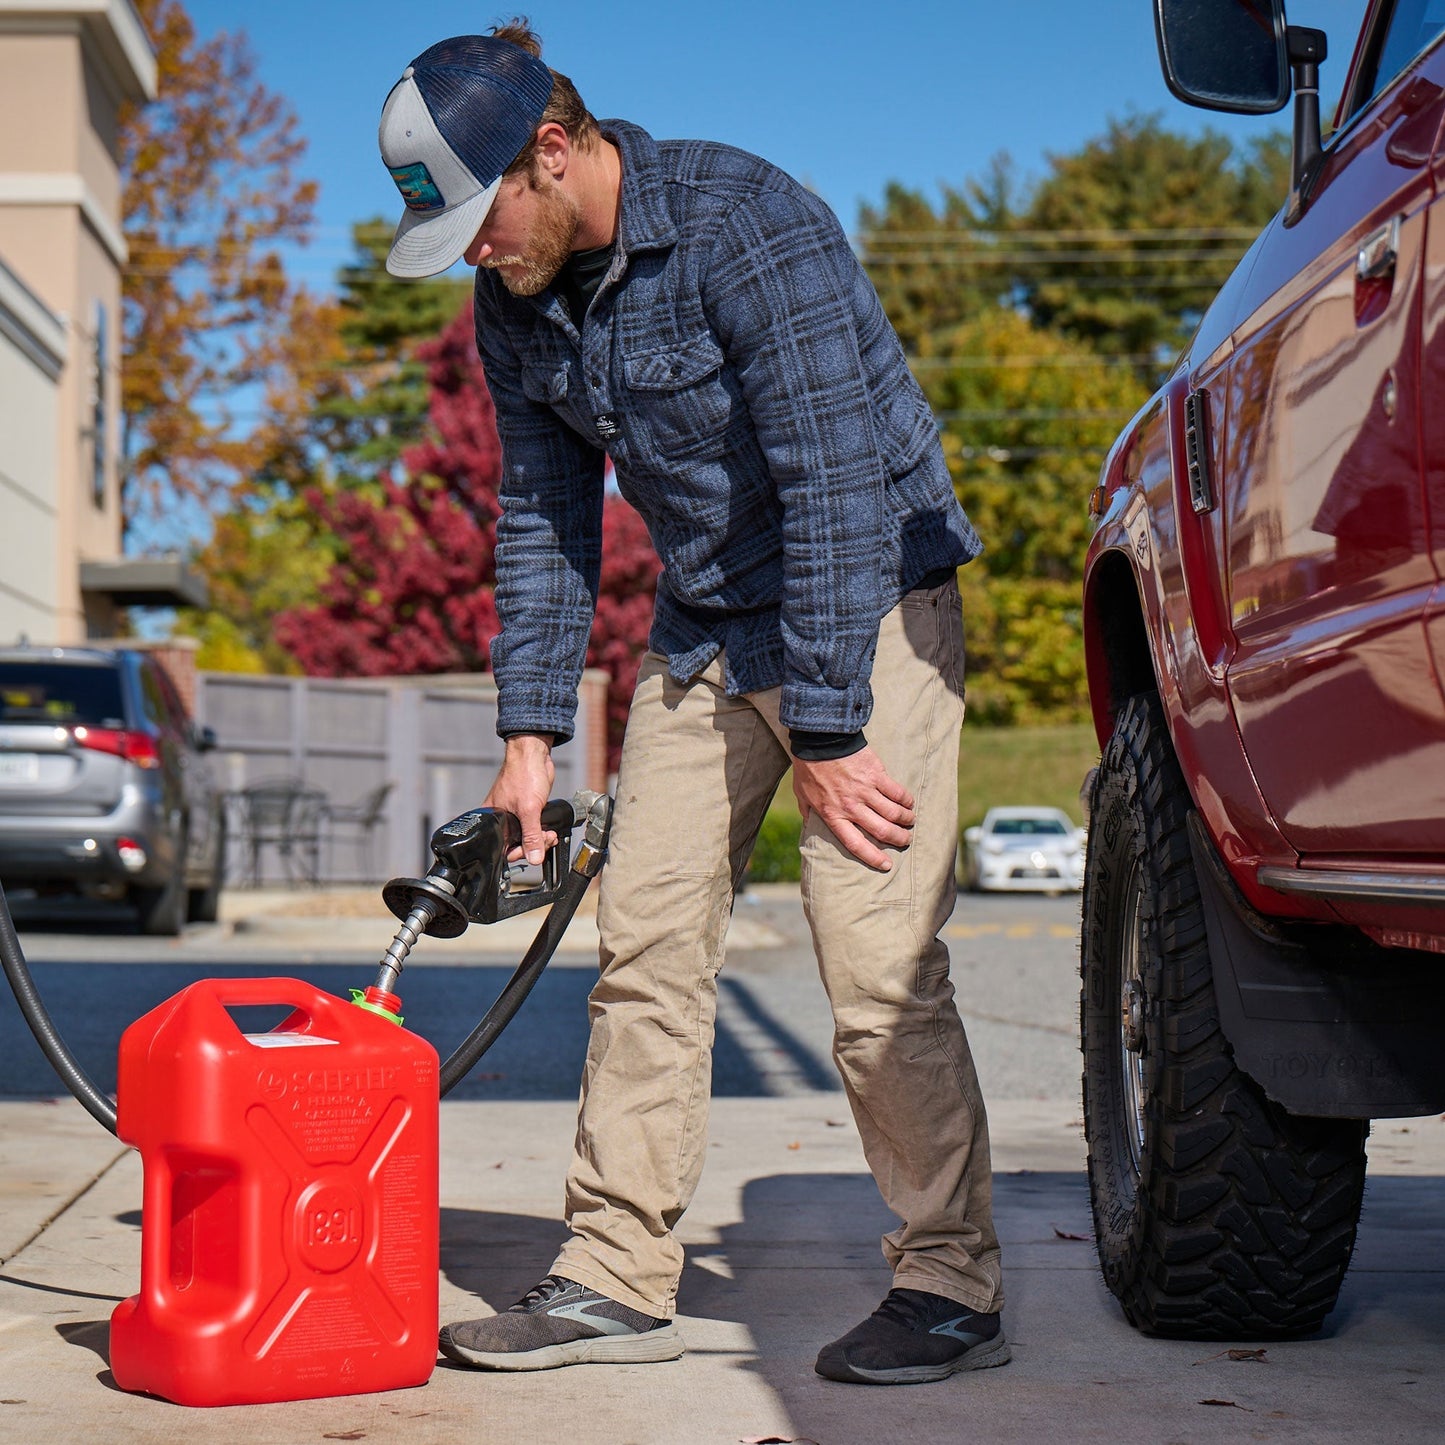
(134, 747)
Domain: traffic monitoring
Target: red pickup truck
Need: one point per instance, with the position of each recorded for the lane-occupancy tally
(1263, 943)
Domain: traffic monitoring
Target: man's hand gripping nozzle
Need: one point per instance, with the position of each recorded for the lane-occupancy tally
(470, 881)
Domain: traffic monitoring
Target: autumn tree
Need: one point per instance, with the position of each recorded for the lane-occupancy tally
(211, 190)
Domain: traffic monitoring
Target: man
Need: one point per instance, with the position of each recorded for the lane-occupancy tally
(698, 316)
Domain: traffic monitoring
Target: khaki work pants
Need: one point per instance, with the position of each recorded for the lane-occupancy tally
(698, 771)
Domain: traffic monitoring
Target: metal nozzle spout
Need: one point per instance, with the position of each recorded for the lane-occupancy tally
(394, 959)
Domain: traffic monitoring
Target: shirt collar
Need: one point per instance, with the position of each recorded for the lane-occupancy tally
(645, 222)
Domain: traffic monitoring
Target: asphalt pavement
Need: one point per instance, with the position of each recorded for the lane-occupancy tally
(782, 1239)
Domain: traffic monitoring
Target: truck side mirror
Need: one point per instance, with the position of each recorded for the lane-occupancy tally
(1225, 54)
(1243, 56)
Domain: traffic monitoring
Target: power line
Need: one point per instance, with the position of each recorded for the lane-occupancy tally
(1102, 233)
(1033, 414)
(954, 255)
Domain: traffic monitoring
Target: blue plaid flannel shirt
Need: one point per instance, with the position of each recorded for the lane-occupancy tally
(738, 368)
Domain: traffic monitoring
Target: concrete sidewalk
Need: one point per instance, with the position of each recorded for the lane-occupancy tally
(783, 1256)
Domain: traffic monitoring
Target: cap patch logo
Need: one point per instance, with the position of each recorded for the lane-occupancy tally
(417, 188)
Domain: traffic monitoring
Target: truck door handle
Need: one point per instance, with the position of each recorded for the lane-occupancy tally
(1378, 253)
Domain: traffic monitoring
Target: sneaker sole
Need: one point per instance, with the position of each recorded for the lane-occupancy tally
(643, 1349)
(985, 1356)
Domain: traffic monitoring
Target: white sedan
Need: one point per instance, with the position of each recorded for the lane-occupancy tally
(1038, 849)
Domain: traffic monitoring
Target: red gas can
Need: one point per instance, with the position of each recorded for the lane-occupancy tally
(289, 1229)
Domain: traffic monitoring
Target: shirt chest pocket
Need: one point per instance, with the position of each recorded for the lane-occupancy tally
(547, 381)
(682, 396)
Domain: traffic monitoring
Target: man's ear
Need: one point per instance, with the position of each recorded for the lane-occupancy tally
(553, 148)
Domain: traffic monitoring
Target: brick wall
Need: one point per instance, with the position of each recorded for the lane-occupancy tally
(178, 656)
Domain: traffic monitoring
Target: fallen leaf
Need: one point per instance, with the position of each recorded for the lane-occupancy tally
(837, 1123)
(1066, 1234)
(500, 1164)
(344, 1435)
(1229, 1405)
(1257, 1356)
(776, 1440)
(796, 1144)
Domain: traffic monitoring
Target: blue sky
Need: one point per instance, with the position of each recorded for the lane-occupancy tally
(845, 95)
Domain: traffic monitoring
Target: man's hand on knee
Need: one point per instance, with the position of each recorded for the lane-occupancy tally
(860, 803)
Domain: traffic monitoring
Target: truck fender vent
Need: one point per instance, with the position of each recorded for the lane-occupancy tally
(1197, 450)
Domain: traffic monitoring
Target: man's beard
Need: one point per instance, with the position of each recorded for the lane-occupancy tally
(548, 247)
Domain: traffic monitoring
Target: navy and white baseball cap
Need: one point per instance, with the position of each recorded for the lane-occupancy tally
(453, 123)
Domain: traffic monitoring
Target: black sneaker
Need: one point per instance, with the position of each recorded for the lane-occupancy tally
(560, 1322)
(912, 1338)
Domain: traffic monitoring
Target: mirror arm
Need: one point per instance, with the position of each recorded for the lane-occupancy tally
(1307, 48)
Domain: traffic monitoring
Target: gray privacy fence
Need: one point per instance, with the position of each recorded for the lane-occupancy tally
(433, 738)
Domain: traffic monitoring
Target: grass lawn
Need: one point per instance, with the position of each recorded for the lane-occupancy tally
(1042, 767)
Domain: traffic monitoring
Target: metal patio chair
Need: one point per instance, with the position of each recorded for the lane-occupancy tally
(359, 821)
(285, 814)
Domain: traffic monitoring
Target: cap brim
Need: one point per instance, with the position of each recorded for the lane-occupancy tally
(428, 245)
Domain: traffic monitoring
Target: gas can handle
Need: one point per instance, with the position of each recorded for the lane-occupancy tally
(317, 1006)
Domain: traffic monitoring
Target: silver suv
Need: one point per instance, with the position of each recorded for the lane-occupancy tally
(104, 786)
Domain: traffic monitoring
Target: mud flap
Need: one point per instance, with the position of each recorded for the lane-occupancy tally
(1326, 1022)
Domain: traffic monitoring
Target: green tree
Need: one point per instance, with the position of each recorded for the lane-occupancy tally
(1026, 414)
(263, 557)
(935, 267)
(1037, 320)
(375, 406)
(1131, 235)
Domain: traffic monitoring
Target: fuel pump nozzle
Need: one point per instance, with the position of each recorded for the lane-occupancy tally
(470, 881)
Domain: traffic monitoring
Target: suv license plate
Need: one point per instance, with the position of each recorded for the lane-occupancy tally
(19, 768)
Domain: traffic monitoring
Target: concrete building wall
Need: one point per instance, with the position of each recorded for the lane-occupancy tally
(32, 354)
(66, 68)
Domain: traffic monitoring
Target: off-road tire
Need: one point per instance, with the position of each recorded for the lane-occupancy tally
(1237, 1220)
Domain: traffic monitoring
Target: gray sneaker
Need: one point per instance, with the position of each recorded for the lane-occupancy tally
(560, 1322)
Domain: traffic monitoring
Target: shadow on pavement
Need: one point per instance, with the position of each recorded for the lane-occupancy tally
(802, 1266)
(540, 1056)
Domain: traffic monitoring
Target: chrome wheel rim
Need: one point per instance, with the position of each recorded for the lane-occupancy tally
(1133, 1043)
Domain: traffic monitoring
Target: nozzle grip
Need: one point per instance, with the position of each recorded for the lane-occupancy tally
(472, 851)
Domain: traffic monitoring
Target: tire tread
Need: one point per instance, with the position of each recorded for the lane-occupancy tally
(1241, 1220)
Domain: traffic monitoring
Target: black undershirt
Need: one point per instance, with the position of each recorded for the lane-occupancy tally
(580, 276)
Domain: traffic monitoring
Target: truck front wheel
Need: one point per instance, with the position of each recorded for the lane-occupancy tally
(1217, 1214)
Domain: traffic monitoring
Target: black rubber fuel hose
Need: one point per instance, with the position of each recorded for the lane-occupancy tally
(96, 1104)
(512, 996)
